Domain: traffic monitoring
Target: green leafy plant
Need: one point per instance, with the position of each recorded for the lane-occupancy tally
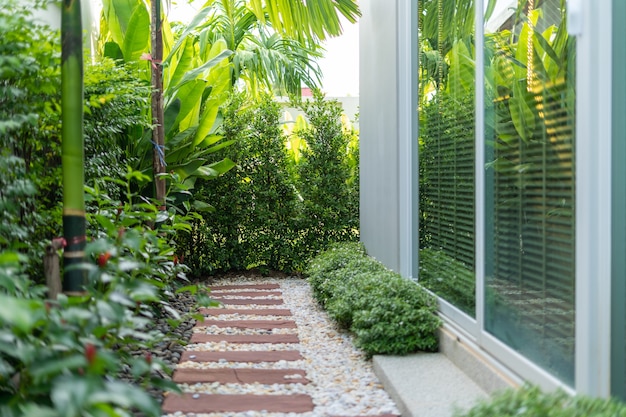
(63, 358)
(255, 203)
(271, 213)
(531, 401)
(387, 313)
(326, 174)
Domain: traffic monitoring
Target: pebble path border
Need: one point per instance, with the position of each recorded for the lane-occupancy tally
(272, 373)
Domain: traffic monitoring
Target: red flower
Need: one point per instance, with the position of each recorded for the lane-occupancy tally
(103, 258)
(90, 353)
(149, 358)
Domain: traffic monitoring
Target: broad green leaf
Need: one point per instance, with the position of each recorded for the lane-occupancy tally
(223, 166)
(189, 95)
(192, 289)
(179, 67)
(112, 50)
(137, 36)
(118, 14)
(218, 147)
(7, 258)
(201, 70)
(179, 147)
(191, 120)
(257, 9)
(521, 113)
(70, 393)
(206, 172)
(207, 121)
(201, 206)
(189, 168)
(125, 396)
(38, 410)
(171, 115)
(55, 365)
(489, 11)
(20, 314)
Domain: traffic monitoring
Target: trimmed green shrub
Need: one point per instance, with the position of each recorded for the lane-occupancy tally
(327, 175)
(387, 313)
(530, 401)
(274, 211)
(255, 203)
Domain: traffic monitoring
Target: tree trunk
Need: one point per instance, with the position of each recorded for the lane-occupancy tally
(52, 270)
(72, 153)
(158, 134)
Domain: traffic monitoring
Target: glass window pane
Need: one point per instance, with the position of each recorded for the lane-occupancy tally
(529, 129)
(446, 150)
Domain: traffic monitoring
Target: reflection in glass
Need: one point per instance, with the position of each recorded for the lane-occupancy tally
(529, 132)
(446, 149)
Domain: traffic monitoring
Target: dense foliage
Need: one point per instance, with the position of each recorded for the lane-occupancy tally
(530, 401)
(64, 357)
(89, 354)
(278, 206)
(387, 313)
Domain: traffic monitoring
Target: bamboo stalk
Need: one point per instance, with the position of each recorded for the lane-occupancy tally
(72, 149)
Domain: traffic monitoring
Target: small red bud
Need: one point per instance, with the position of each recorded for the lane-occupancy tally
(149, 358)
(175, 259)
(90, 353)
(103, 258)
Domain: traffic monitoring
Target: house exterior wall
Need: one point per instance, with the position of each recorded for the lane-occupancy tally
(388, 192)
(379, 142)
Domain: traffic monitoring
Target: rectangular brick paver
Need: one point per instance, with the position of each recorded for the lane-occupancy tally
(252, 338)
(249, 324)
(242, 356)
(216, 311)
(254, 294)
(214, 403)
(246, 286)
(240, 376)
(247, 301)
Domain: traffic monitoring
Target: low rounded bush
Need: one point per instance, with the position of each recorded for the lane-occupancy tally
(387, 313)
(531, 401)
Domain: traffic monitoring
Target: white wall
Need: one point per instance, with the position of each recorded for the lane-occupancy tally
(388, 132)
(379, 131)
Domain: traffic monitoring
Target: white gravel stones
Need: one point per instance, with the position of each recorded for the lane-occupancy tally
(342, 380)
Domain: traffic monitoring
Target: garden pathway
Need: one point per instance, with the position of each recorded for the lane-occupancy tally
(245, 359)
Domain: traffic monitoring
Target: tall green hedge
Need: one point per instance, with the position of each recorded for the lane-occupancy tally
(274, 211)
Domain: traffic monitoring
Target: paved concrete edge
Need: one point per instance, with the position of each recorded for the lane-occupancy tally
(385, 379)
